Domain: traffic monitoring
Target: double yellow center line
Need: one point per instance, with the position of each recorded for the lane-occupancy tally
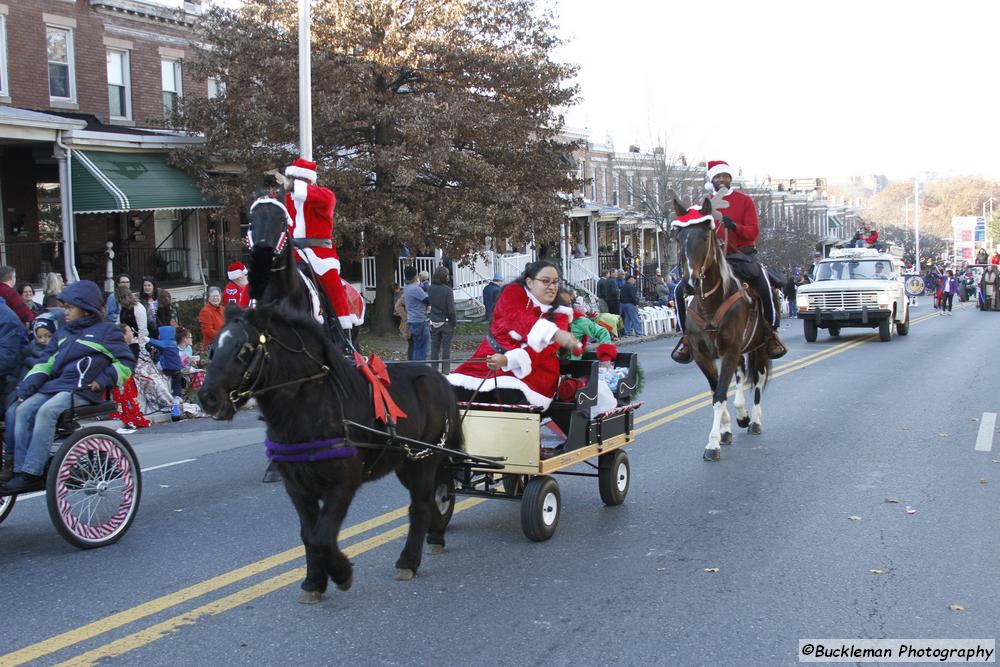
(131, 642)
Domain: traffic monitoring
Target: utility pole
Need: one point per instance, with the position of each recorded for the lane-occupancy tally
(916, 217)
(305, 83)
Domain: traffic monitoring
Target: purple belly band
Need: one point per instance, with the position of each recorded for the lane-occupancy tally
(301, 452)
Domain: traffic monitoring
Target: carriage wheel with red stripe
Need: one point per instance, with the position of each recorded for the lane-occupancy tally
(6, 506)
(93, 489)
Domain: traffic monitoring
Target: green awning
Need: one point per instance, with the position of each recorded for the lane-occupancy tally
(105, 182)
(834, 221)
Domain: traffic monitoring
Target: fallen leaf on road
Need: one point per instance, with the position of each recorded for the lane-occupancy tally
(996, 460)
(892, 499)
(956, 607)
(661, 569)
(975, 419)
(983, 480)
(876, 571)
(906, 428)
(164, 486)
(854, 517)
(178, 510)
(944, 435)
(910, 510)
(711, 569)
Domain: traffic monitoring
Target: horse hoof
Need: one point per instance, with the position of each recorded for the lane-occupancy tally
(346, 586)
(435, 549)
(742, 422)
(754, 429)
(727, 439)
(711, 455)
(310, 597)
(404, 574)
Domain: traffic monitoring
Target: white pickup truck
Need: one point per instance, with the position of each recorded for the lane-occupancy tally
(858, 287)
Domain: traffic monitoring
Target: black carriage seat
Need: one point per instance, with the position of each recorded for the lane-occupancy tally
(573, 417)
(69, 420)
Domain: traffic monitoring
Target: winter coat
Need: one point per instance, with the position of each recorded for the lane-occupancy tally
(743, 212)
(211, 318)
(16, 303)
(84, 351)
(491, 294)
(12, 341)
(170, 354)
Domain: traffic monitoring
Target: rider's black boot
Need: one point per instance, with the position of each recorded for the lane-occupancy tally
(682, 352)
(23, 483)
(775, 348)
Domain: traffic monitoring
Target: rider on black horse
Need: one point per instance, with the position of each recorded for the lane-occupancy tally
(739, 230)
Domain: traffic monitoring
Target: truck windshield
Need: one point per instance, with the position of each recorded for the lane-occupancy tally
(854, 270)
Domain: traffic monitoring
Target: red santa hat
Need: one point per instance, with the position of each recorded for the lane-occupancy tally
(302, 168)
(692, 217)
(713, 169)
(235, 270)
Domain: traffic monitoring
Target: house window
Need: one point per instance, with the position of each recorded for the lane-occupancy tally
(119, 86)
(216, 88)
(631, 190)
(614, 192)
(60, 55)
(579, 178)
(4, 89)
(170, 72)
(593, 186)
(604, 186)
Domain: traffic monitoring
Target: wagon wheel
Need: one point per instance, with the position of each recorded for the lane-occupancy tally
(540, 508)
(94, 486)
(444, 494)
(513, 485)
(613, 477)
(6, 506)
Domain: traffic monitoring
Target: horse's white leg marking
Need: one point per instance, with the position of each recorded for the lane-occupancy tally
(758, 389)
(726, 424)
(740, 399)
(715, 436)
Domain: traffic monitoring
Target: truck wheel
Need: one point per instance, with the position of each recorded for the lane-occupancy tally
(903, 328)
(809, 330)
(885, 330)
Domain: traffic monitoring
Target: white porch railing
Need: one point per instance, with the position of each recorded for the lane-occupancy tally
(511, 266)
(583, 273)
(427, 264)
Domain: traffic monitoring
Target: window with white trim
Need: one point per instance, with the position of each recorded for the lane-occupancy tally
(170, 71)
(631, 190)
(59, 44)
(216, 87)
(616, 186)
(604, 186)
(593, 186)
(4, 88)
(119, 85)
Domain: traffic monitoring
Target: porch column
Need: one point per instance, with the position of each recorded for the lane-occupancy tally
(64, 155)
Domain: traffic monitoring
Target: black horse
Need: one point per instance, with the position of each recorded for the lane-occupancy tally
(306, 390)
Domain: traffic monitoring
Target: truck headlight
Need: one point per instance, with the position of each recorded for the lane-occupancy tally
(884, 300)
(802, 301)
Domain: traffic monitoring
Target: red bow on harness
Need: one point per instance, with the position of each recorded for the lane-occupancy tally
(377, 374)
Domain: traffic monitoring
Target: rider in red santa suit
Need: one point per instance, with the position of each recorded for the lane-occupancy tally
(739, 230)
(519, 358)
(310, 208)
(238, 288)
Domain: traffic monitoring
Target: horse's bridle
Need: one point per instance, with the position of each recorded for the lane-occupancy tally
(700, 274)
(254, 354)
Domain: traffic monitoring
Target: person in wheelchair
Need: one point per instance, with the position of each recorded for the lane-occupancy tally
(86, 357)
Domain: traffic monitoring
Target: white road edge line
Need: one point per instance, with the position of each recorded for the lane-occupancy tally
(987, 427)
(36, 494)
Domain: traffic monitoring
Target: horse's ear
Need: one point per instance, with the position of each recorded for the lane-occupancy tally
(232, 311)
(706, 206)
(679, 207)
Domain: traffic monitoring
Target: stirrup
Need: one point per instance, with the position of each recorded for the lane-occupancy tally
(682, 352)
(775, 348)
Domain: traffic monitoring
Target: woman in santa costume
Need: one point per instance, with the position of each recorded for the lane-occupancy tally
(238, 288)
(518, 362)
(310, 208)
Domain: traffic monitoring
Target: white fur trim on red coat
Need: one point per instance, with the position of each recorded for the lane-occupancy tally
(298, 172)
(518, 363)
(503, 382)
(349, 321)
(319, 264)
(541, 334)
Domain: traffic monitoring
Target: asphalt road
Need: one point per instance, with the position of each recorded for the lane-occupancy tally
(209, 572)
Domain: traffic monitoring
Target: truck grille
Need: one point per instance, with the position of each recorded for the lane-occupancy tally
(842, 300)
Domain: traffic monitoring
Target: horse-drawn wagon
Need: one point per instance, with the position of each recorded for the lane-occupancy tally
(517, 438)
(93, 481)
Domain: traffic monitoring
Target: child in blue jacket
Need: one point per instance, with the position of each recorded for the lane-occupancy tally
(170, 358)
(86, 357)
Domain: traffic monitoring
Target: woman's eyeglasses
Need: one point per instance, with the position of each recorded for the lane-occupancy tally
(548, 282)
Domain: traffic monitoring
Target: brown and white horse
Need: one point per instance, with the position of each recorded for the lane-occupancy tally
(724, 325)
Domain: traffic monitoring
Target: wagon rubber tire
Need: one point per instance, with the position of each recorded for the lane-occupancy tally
(613, 477)
(6, 506)
(834, 330)
(903, 328)
(444, 494)
(885, 330)
(540, 508)
(513, 485)
(94, 469)
(809, 330)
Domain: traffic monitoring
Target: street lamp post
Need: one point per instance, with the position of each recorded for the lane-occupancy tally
(916, 218)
